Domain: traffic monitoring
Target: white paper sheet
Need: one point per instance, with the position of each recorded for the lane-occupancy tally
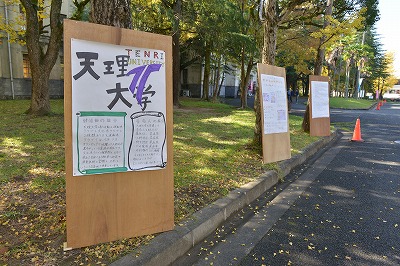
(273, 90)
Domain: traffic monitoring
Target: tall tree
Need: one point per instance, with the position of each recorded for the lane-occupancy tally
(204, 20)
(375, 60)
(242, 38)
(270, 25)
(42, 56)
(318, 61)
(163, 17)
(385, 78)
(249, 32)
(176, 35)
(275, 13)
(217, 78)
(332, 30)
(321, 48)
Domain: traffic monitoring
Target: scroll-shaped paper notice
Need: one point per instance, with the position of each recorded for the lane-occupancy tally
(100, 140)
(148, 147)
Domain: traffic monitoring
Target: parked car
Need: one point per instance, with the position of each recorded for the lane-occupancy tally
(392, 94)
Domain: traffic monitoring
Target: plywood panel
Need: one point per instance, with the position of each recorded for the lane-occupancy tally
(319, 126)
(276, 146)
(111, 206)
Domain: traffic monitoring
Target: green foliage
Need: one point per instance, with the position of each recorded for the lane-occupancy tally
(12, 24)
(372, 14)
(152, 16)
(15, 25)
(299, 37)
(379, 71)
(295, 49)
(384, 78)
(345, 7)
(337, 29)
(233, 22)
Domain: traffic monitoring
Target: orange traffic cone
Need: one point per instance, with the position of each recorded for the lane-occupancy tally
(357, 132)
(378, 106)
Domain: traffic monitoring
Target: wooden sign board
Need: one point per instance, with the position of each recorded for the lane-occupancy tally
(274, 113)
(319, 106)
(118, 133)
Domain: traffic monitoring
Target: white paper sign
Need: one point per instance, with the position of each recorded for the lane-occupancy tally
(273, 89)
(149, 130)
(110, 84)
(320, 99)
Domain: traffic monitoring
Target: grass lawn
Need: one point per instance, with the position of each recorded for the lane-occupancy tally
(213, 155)
(350, 103)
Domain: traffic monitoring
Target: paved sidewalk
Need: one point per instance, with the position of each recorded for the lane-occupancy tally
(169, 246)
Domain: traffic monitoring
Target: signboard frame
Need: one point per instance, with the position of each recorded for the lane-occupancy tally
(275, 146)
(319, 126)
(110, 206)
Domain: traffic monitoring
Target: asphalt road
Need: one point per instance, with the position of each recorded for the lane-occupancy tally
(341, 208)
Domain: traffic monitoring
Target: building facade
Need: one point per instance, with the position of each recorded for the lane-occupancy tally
(15, 73)
(192, 81)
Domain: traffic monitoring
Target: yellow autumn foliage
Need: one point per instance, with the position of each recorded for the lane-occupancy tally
(13, 27)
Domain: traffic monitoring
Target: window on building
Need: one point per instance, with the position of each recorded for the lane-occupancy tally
(27, 67)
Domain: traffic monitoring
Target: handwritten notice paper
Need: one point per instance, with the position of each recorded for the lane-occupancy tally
(101, 142)
(274, 99)
(148, 141)
(111, 83)
(320, 99)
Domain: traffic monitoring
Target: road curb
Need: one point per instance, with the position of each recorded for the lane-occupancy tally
(169, 246)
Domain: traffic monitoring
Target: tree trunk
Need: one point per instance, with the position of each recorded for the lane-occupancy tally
(245, 78)
(306, 89)
(347, 80)
(216, 81)
(321, 49)
(270, 35)
(243, 83)
(177, 7)
(340, 69)
(206, 76)
(115, 13)
(381, 90)
(220, 83)
(41, 62)
(306, 119)
(319, 61)
(357, 85)
(40, 102)
(268, 57)
(243, 95)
